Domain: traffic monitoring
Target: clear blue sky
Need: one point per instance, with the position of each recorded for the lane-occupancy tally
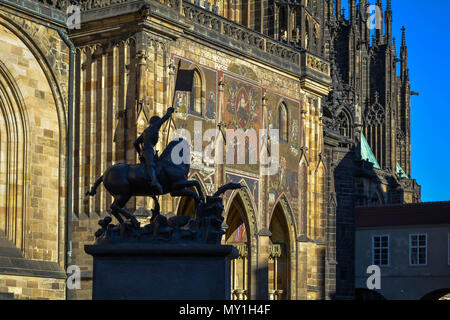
(427, 37)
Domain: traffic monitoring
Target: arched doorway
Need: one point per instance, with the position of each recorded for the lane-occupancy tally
(279, 256)
(237, 234)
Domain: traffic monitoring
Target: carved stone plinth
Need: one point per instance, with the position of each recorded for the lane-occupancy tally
(161, 271)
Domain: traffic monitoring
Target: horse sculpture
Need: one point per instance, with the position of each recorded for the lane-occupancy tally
(123, 181)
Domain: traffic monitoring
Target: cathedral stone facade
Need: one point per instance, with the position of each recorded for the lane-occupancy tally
(74, 100)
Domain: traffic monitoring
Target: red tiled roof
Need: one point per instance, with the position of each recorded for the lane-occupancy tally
(403, 214)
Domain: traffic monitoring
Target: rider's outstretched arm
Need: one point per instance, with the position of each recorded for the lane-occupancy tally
(166, 117)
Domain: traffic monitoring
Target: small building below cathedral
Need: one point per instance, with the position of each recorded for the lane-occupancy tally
(411, 245)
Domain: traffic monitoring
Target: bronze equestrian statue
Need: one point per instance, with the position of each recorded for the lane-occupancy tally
(123, 181)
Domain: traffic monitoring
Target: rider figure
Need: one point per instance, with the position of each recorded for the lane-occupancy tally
(149, 138)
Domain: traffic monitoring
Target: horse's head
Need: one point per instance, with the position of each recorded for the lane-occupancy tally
(178, 153)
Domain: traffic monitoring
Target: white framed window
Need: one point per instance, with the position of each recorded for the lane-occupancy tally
(418, 247)
(380, 250)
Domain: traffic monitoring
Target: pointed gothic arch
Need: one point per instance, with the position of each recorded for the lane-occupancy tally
(242, 233)
(46, 117)
(375, 129)
(344, 123)
(303, 196)
(283, 121)
(317, 224)
(13, 161)
(249, 196)
(197, 96)
(49, 71)
(282, 250)
(245, 198)
(288, 214)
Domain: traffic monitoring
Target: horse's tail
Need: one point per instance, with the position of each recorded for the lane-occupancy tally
(94, 187)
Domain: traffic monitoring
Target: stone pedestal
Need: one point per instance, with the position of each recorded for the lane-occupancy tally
(161, 271)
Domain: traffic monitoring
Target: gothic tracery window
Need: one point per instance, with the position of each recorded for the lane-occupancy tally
(375, 115)
(343, 123)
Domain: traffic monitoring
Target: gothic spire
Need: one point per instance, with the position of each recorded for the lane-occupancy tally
(388, 22)
(404, 56)
(363, 8)
(379, 32)
(388, 5)
(352, 9)
(338, 8)
(403, 37)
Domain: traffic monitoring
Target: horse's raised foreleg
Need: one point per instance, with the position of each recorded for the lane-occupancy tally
(190, 183)
(185, 192)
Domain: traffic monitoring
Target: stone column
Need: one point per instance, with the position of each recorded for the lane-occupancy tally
(330, 258)
(220, 143)
(263, 265)
(303, 178)
(302, 272)
(302, 240)
(264, 179)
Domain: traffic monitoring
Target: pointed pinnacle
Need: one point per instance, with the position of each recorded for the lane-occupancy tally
(403, 36)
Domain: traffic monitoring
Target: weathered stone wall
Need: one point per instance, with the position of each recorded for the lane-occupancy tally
(34, 64)
(343, 175)
(22, 287)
